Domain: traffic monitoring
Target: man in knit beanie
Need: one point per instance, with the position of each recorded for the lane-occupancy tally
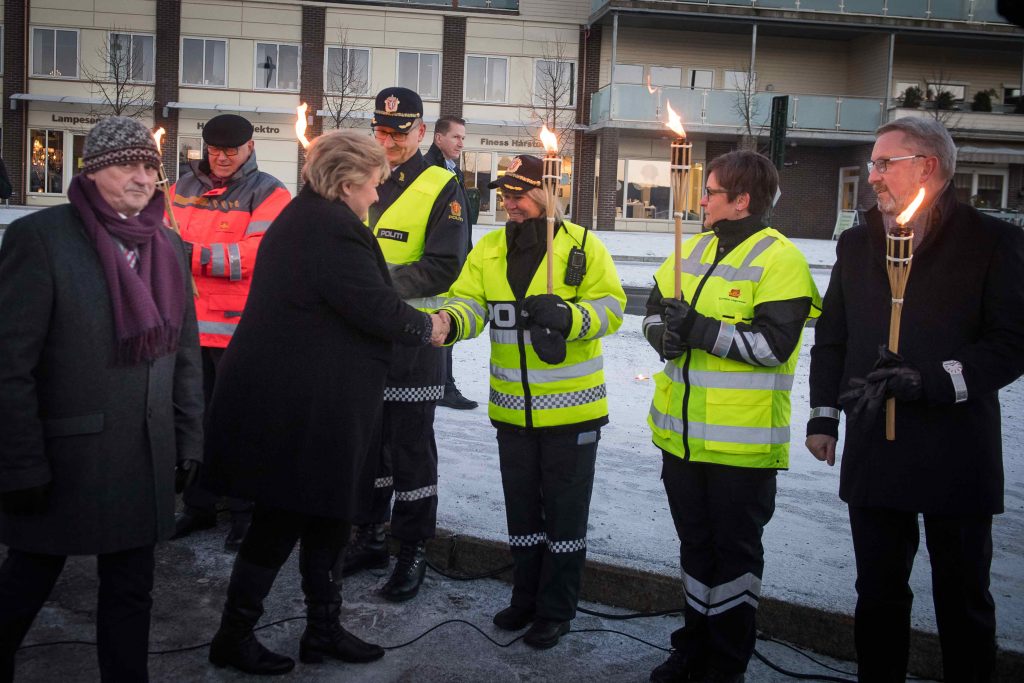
(100, 395)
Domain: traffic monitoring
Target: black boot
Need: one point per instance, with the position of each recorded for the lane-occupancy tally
(235, 644)
(369, 550)
(405, 581)
(325, 636)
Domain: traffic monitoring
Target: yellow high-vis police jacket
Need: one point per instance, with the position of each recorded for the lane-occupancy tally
(710, 408)
(524, 390)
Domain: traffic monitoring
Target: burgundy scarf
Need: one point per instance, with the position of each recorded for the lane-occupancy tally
(148, 304)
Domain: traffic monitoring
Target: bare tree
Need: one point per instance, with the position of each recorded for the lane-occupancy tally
(345, 97)
(553, 91)
(940, 97)
(748, 107)
(120, 82)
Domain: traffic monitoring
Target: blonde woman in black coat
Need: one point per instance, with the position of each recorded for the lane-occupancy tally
(297, 403)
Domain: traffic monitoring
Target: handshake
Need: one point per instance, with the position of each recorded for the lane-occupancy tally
(442, 326)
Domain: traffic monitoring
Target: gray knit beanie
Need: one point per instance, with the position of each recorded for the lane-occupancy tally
(118, 140)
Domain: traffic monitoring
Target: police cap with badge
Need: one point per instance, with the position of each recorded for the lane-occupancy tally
(397, 108)
(525, 173)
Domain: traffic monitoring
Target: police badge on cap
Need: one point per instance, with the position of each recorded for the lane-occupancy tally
(522, 175)
(397, 108)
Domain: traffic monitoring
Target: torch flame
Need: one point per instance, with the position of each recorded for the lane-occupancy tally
(549, 141)
(300, 124)
(650, 88)
(158, 134)
(908, 212)
(674, 122)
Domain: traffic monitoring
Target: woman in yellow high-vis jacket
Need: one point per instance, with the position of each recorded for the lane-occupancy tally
(721, 407)
(547, 392)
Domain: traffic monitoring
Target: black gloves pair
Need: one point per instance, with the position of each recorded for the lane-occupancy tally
(891, 377)
(548, 318)
(32, 501)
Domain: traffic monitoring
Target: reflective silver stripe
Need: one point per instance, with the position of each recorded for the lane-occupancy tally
(572, 546)
(724, 340)
(587, 367)
(825, 412)
(709, 379)
(692, 264)
(235, 262)
(745, 589)
(500, 336)
(724, 433)
(218, 267)
(525, 541)
(755, 343)
(256, 227)
(602, 307)
(383, 482)
(206, 327)
(758, 249)
(416, 494)
(431, 303)
(652, 320)
(472, 304)
(548, 401)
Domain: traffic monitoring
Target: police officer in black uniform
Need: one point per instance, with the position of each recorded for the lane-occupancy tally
(408, 456)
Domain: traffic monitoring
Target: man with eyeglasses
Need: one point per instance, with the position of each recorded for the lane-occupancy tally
(962, 331)
(223, 208)
(420, 224)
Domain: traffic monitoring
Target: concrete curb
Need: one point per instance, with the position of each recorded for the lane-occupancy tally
(819, 630)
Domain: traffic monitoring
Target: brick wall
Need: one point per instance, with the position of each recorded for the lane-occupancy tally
(609, 139)
(15, 70)
(585, 145)
(168, 54)
(311, 92)
(453, 65)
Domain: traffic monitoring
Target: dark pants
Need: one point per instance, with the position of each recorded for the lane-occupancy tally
(449, 382)
(720, 513)
(122, 613)
(547, 479)
(199, 501)
(407, 469)
(960, 550)
(274, 533)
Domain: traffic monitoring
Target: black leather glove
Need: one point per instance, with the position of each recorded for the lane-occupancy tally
(547, 310)
(679, 317)
(33, 501)
(548, 344)
(185, 474)
(902, 382)
(672, 344)
(656, 335)
(862, 402)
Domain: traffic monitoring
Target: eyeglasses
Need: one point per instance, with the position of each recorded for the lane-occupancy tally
(882, 165)
(383, 135)
(226, 151)
(708, 192)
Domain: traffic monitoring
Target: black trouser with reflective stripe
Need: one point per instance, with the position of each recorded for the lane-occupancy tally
(407, 469)
(960, 550)
(719, 514)
(547, 479)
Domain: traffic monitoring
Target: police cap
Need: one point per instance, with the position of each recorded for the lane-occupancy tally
(397, 108)
(525, 173)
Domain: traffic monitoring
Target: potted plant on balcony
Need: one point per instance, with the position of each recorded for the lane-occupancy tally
(983, 100)
(944, 100)
(911, 98)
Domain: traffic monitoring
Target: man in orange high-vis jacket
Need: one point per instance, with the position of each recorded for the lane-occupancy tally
(223, 208)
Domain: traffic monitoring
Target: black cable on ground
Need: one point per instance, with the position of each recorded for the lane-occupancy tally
(472, 577)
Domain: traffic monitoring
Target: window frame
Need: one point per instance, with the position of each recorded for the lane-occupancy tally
(419, 54)
(256, 67)
(465, 80)
(181, 62)
(974, 171)
(132, 34)
(953, 88)
(575, 80)
(738, 88)
(689, 83)
(2, 36)
(369, 68)
(679, 83)
(32, 50)
(618, 71)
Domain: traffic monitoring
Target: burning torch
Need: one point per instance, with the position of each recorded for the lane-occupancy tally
(300, 125)
(680, 169)
(165, 186)
(899, 255)
(551, 180)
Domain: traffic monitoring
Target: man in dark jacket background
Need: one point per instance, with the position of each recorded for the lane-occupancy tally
(100, 395)
(962, 335)
(449, 138)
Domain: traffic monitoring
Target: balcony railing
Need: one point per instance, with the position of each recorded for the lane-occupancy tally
(725, 108)
(448, 4)
(940, 10)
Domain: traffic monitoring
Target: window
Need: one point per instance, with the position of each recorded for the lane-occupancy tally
(277, 66)
(957, 91)
(131, 57)
(204, 61)
(739, 80)
(901, 87)
(669, 76)
(1011, 95)
(703, 79)
(190, 149)
(46, 166)
(420, 71)
(629, 73)
(54, 53)
(486, 79)
(983, 188)
(347, 71)
(554, 82)
(643, 190)
(476, 167)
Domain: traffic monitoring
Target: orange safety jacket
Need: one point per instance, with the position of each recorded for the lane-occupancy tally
(224, 227)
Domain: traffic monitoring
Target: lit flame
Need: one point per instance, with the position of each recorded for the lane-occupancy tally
(158, 134)
(650, 88)
(908, 212)
(549, 141)
(300, 124)
(641, 377)
(674, 122)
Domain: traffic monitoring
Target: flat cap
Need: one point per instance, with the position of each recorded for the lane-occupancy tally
(227, 130)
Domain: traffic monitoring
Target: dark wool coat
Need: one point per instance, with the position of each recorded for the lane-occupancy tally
(296, 409)
(106, 437)
(964, 301)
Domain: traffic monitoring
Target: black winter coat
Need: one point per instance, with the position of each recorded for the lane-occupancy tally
(964, 301)
(295, 414)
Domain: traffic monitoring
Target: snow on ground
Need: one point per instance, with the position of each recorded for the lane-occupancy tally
(809, 555)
